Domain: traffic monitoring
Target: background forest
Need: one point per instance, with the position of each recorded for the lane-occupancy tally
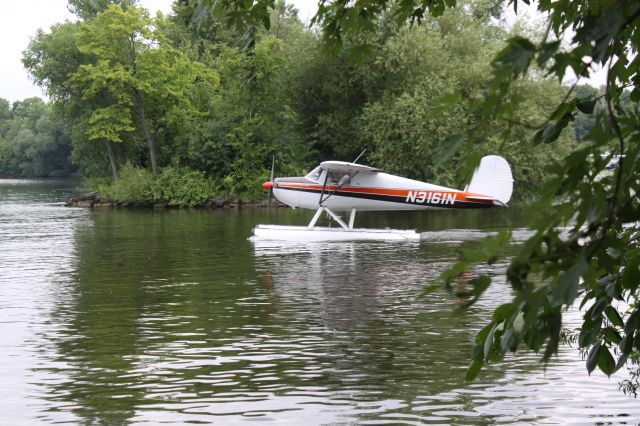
(174, 102)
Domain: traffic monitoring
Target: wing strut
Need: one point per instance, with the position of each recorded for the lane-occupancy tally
(330, 193)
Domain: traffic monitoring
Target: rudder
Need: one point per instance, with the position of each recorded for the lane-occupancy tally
(493, 178)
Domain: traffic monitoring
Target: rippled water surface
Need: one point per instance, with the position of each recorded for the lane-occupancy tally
(115, 316)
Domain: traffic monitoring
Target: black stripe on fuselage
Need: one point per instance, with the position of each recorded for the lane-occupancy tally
(394, 199)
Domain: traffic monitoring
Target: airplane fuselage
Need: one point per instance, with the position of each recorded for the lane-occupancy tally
(373, 191)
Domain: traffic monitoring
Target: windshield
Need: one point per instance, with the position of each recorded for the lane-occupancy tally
(314, 174)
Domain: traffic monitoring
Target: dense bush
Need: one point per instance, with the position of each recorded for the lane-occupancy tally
(133, 185)
(182, 187)
(174, 186)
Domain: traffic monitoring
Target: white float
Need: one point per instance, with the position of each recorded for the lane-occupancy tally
(304, 234)
(346, 232)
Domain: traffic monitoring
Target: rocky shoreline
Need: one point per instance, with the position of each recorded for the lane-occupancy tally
(95, 200)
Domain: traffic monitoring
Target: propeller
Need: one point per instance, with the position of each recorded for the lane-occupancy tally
(273, 167)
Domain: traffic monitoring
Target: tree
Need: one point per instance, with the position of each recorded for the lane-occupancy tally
(586, 247)
(254, 114)
(51, 58)
(89, 9)
(32, 141)
(133, 68)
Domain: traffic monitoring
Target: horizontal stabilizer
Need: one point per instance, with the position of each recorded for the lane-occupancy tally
(492, 180)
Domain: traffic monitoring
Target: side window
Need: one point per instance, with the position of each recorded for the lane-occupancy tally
(345, 180)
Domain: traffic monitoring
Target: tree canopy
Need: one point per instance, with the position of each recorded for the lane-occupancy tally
(33, 142)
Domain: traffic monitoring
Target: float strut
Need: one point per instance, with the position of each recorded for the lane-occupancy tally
(352, 217)
(315, 218)
(337, 219)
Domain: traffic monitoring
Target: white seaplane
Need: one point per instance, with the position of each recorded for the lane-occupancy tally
(337, 186)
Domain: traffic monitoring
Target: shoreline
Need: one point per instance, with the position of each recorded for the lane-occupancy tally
(95, 200)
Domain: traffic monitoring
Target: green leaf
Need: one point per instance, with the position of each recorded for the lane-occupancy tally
(612, 335)
(621, 362)
(605, 361)
(626, 344)
(613, 316)
(483, 333)
(550, 131)
(516, 57)
(546, 52)
(452, 143)
(586, 105)
(589, 332)
(473, 370)
(567, 287)
(598, 308)
(594, 356)
(488, 343)
(503, 312)
(632, 322)
(480, 285)
(509, 340)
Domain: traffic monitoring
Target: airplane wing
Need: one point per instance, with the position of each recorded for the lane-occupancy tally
(344, 167)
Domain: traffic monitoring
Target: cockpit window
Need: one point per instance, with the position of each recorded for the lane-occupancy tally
(314, 174)
(334, 177)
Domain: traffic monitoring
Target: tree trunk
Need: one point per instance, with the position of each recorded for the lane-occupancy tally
(112, 158)
(147, 134)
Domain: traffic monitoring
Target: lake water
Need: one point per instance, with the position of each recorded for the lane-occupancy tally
(118, 317)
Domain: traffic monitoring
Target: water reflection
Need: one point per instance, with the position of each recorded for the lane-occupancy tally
(173, 316)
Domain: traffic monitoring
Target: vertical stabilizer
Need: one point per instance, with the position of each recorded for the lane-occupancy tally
(492, 178)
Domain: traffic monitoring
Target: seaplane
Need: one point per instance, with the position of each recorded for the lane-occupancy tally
(340, 187)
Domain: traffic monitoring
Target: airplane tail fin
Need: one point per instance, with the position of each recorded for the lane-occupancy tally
(493, 178)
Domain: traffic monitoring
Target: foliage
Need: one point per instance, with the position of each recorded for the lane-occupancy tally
(115, 78)
(32, 141)
(594, 259)
(182, 187)
(134, 69)
(89, 9)
(174, 186)
(133, 185)
(225, 107)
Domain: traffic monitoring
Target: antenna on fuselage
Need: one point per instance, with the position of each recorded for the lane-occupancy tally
(358, 157)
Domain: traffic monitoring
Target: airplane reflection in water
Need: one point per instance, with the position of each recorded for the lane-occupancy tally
(361, 301)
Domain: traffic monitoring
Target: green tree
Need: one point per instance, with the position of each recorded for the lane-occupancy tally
(254, 114)
(89, 9)
(32, 141)
(51, 58)
(137, 73)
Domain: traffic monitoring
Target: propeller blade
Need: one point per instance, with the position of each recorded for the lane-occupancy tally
(273, 168)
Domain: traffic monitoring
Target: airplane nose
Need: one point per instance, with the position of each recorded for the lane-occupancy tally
(267, 185)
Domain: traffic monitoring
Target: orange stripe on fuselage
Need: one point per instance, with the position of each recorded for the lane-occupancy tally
(459, 195)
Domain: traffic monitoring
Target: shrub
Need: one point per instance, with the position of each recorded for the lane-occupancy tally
(133, 185)
(181, 186)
